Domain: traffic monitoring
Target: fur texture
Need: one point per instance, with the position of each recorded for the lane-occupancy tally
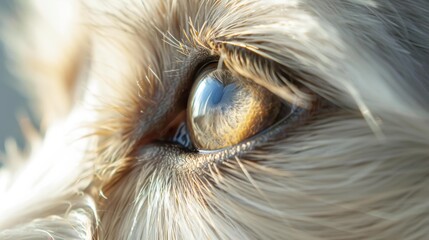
(108, 77)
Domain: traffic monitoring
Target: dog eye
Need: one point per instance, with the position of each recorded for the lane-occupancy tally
(224, 110)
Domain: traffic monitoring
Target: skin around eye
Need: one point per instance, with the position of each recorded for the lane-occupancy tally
(224, 110)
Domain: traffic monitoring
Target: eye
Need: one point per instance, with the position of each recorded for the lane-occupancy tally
(224, 110)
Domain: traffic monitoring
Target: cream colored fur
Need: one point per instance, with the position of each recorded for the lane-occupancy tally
(107, 74)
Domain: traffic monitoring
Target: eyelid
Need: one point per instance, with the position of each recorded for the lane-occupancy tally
(205, 68)
(186, 161)
(276, 77)
(218, 138)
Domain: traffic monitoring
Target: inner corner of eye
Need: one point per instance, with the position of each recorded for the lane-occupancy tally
(225, 112)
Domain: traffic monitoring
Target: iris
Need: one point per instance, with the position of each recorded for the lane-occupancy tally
(223, 110)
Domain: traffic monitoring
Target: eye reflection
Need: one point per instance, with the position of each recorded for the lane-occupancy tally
(224, 110)
(211, 94)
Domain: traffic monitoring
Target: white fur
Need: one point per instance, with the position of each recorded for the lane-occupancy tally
(358, 171)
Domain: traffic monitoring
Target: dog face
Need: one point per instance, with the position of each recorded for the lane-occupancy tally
(226, 120)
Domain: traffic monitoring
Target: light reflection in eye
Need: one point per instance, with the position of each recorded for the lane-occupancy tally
(211, 94)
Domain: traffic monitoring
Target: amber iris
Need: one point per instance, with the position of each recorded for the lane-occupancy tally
(224, 110)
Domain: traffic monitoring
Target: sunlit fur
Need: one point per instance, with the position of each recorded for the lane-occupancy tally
(106, 76)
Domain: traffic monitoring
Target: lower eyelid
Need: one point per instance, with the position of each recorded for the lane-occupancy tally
(182, 160)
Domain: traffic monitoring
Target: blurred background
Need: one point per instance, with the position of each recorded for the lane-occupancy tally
(12, 100)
